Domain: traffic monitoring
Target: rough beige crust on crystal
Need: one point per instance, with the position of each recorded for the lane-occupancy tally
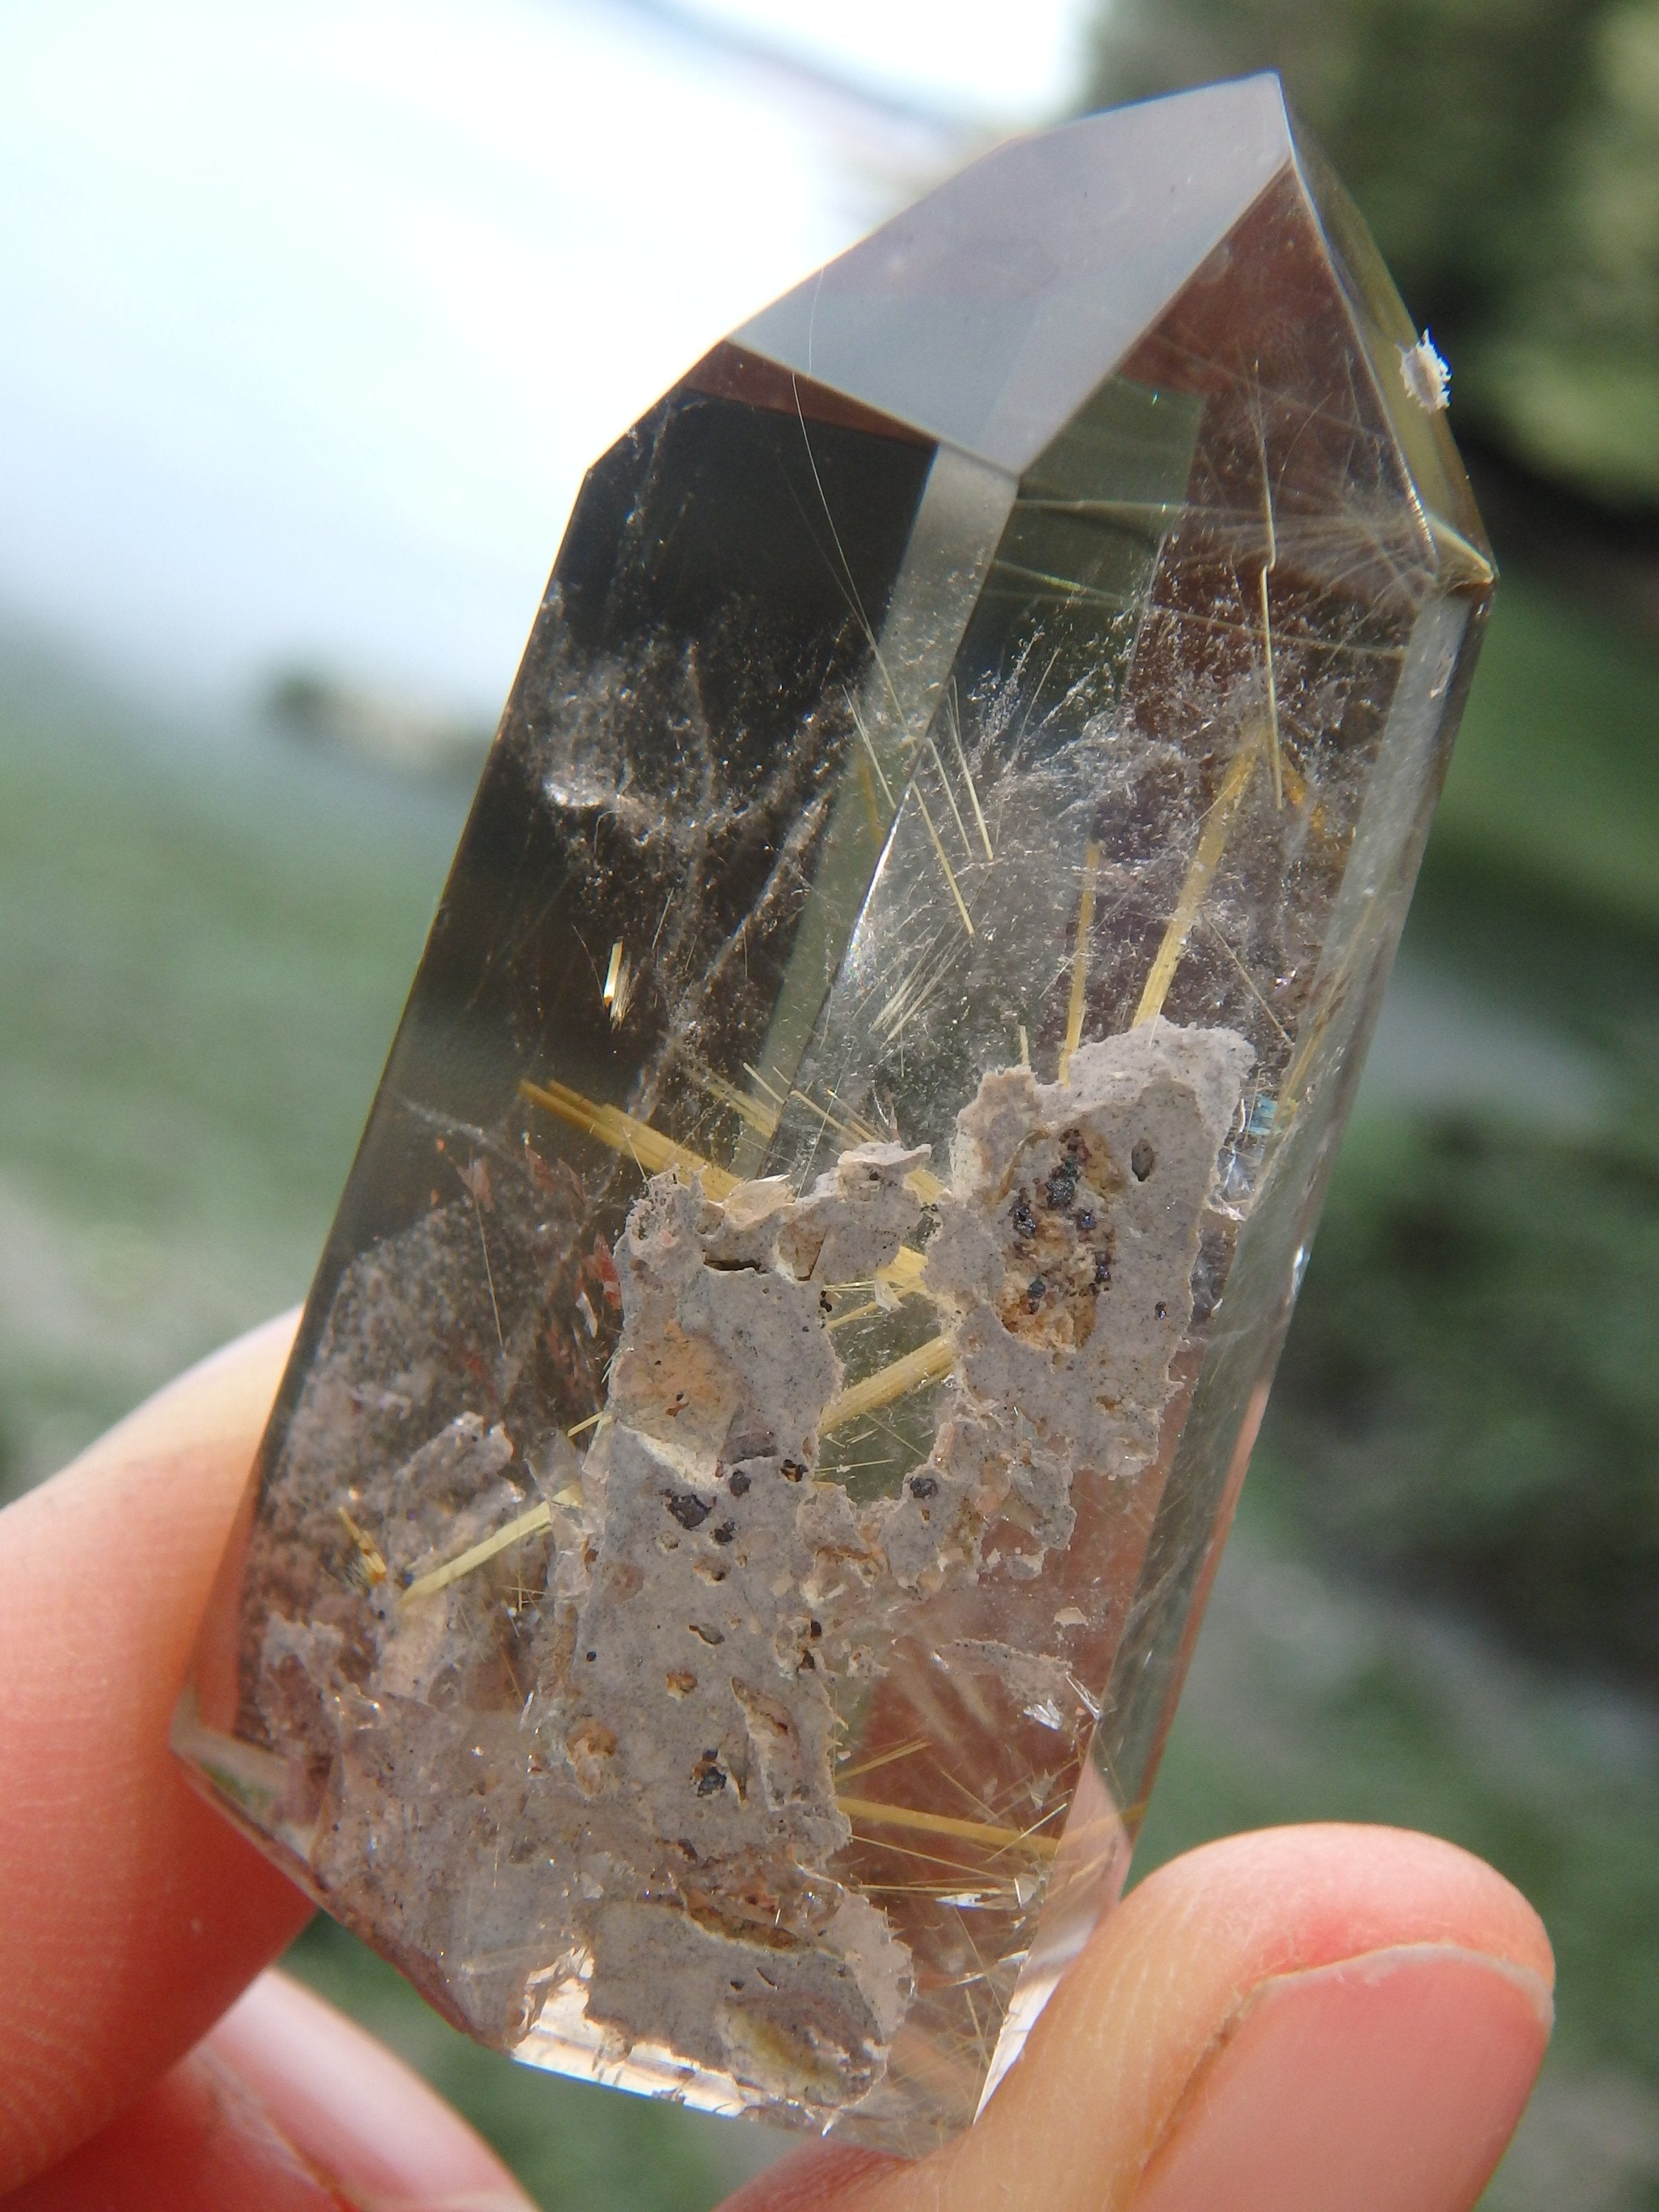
(711, 1608)
(1067, 1246)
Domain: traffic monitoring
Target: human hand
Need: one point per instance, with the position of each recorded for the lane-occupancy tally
(1312, 2019)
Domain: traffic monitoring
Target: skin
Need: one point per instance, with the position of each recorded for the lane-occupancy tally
(1309, 2020)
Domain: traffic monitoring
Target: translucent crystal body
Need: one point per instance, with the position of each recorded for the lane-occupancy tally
(722, 1565)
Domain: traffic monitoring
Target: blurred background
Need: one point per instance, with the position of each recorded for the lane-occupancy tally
(311, 317)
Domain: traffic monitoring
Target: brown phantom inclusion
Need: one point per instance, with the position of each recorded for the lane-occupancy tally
(720, 1568)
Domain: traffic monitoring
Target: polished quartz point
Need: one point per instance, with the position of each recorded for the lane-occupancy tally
(721, 1567)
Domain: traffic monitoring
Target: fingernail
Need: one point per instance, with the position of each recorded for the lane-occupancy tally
(1388, 2083)
(385, 2142)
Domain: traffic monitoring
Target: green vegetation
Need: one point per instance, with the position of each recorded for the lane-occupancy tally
(1473, 1402)
(1553, 794)
(1469, 1402)
(207, 947)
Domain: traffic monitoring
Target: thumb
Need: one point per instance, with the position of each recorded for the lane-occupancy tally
(1294, 2022)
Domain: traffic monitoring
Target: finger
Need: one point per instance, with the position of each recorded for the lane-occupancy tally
(134, 1914)
(354, 2110)
(286, 2108)
(1283, 2022)
(195, 2142)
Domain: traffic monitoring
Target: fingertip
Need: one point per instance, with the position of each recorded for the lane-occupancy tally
(196, 2141)
(1414, 1974)
(355, 2113)
(135, 1913)
(1187, 1948)
(1388, 2083)
(286, 2106)
(1300, 1897)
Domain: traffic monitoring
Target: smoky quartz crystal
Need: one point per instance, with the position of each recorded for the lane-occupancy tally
(722, 1565)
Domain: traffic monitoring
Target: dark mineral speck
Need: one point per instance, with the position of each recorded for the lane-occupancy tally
(1061, 1186)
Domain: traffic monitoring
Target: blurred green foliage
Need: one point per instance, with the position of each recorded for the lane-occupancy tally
(204, 957)
(1506, 155)
(1469, 1399)
(1554, 796)
(1472, 1405)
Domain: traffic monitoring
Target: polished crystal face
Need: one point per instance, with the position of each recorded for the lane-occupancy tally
(718, 1576)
